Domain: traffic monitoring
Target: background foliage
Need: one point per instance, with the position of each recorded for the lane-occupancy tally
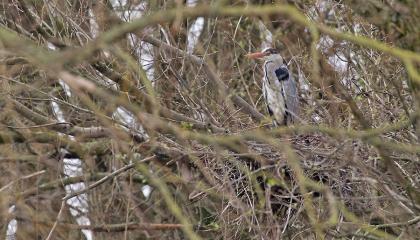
(117, 121)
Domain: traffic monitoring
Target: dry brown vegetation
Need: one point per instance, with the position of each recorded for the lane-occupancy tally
(203, 141)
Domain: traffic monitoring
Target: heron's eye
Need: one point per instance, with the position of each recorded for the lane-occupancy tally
(270, 51)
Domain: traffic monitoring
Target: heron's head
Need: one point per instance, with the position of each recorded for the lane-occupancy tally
(267, 54)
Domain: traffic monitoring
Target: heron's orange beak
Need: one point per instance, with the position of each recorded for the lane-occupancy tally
(256, 55)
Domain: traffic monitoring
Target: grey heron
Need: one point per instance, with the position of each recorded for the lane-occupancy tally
(279, 88)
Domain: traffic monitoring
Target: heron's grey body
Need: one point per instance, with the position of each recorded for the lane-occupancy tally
(280, 91)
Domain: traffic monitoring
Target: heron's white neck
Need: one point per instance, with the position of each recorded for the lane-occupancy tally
(275, 58)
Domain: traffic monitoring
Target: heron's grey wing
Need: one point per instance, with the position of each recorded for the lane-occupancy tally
(291, 96)
(289, 91)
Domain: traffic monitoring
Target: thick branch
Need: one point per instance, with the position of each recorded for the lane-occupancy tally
(89, 132)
